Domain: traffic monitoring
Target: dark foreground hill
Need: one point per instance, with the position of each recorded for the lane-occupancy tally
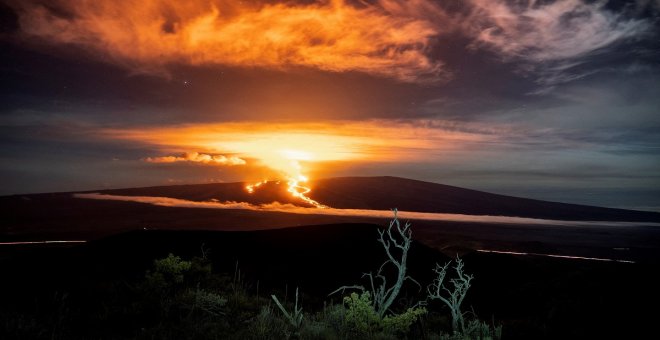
(389, 192)
(91, 291)
(318, 258)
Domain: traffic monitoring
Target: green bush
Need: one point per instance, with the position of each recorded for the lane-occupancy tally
(400, 323)
(167, 272)
(363, 320)
(361, 315)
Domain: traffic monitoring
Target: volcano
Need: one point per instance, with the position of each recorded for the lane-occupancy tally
(384, 193)
(560, 228)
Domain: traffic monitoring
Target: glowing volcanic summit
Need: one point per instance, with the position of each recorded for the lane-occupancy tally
(295, 179)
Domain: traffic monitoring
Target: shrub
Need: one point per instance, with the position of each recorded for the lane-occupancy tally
(400, 323)
(167, 272)
(361, 316)
(363, 320)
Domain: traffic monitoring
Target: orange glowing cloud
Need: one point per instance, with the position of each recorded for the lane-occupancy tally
(382, 140)
(199, 158)
(386, 37)
(288, 147)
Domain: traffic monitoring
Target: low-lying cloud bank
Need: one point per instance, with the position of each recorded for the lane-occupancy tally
(385, 214)
(198, 158)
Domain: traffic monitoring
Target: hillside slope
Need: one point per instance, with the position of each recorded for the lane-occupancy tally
(390, 192)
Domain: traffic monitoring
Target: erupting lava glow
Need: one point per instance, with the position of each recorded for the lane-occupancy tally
(299, 191)
(250, 187)
(278, 150)
(294, 176)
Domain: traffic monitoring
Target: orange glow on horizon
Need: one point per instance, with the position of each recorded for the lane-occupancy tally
(280, 143)
(292, 150)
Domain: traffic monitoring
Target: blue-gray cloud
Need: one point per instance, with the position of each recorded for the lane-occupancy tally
(554, 40)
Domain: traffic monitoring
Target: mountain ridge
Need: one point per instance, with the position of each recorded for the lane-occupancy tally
(386, 192)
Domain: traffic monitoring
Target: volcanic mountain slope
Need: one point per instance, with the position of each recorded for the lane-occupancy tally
(389, 192)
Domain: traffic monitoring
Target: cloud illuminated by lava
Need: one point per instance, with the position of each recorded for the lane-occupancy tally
(198, 158)
(389, 38)
(287, 147)
(386, 37)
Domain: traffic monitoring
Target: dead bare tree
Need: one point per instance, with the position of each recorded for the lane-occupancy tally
(396, 241)
(454, 297)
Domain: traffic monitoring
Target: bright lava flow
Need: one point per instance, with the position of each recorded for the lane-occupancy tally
(295, 188)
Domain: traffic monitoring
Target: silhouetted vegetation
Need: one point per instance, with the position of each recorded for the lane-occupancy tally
(178, 298)
(132, 287)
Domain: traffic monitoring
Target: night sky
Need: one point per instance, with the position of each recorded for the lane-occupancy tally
(555, 100)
